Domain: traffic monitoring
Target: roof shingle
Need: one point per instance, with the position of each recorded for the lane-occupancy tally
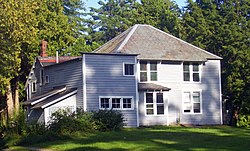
(154, 44)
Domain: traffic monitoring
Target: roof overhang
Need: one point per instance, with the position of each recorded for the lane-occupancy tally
(151, 87)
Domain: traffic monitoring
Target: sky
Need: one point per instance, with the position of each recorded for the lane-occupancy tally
(93, 3)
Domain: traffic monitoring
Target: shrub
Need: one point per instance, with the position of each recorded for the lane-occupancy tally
(63, 122)
(108, 120)
(243, 121)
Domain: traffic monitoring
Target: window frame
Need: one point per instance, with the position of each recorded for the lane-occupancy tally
(191, 71)
(192, 101)
(124, 69)
(42, 77)
(33, 85)
(121, 102)
(46, 80)
(155, 103)
(148, 70)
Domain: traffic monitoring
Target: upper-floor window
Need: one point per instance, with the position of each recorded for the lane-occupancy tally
(128, 69)
(191, 72)
(154, 103)
(42, 77)
(33, 86)
(192, 102)
(148, 71)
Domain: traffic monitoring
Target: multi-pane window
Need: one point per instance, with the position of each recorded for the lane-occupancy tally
(153, 71)
(127, 103)
(149, 104)
(148, 71)
(154, 104)
(159, 103)
(192, 102)
(115, 102)
(143, 71)
(191, 72)
(104, 103)
(128, 69)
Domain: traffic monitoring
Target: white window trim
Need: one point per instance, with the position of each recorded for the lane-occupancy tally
(155, 103)
(191, 72)
(32, 87)
(191, 92)
(121, 102)
(149, 71)
(124, 68)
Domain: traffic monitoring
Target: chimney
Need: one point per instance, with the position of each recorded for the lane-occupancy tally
(43, 50)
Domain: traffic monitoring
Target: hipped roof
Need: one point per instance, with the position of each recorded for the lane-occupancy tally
(153, 44)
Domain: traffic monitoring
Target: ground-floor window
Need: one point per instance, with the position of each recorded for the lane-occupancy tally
(116, 102)
(192, 102)
(154, 103)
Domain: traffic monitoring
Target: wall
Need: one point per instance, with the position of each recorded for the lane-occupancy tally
(170, 74)
(104, 77)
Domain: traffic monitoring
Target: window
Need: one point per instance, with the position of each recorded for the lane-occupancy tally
(33, 86)
(154, 103)
(153, 71)
(41, 77)
(115, 102)
(46, 79)
(191, 72)
(143, 71)
(127, 103)
(104, 103)
(148, 71)
(128, 69)
(192, 102)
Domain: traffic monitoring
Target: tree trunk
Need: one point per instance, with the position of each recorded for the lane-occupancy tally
(10, 102)
(16, 99)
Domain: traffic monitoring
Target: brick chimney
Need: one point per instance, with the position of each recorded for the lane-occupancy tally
(43, 49)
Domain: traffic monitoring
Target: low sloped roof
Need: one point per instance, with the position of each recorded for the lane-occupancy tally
(152, 87)
(153, 44)
(55, 98)
(47, 61)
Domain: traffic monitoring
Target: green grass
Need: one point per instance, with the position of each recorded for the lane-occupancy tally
(158, 138)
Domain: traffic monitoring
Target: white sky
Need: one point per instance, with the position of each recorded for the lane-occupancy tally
(93, 3)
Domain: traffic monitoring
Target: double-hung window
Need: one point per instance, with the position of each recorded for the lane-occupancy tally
(192, 102)
(191, 72)
(116, 102)
(128, 69)
(148, 71)
(154, 103)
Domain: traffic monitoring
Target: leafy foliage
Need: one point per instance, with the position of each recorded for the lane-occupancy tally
(108, 120)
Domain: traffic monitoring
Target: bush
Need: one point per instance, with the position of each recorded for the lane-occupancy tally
(108, 120)
(63, 122)
(243, 121)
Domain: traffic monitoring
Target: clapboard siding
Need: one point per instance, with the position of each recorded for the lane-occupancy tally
(171, 76)
(104, 77)
(69, 74)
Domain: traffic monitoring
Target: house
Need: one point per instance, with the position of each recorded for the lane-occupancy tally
(152, 77)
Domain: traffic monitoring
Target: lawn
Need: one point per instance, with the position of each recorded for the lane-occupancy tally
(158, 138)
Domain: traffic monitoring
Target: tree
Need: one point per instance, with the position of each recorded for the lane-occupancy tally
(23, 25)
(112, 18)
(222, 27)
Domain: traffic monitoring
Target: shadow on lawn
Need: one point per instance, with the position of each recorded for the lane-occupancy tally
(166, 139)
